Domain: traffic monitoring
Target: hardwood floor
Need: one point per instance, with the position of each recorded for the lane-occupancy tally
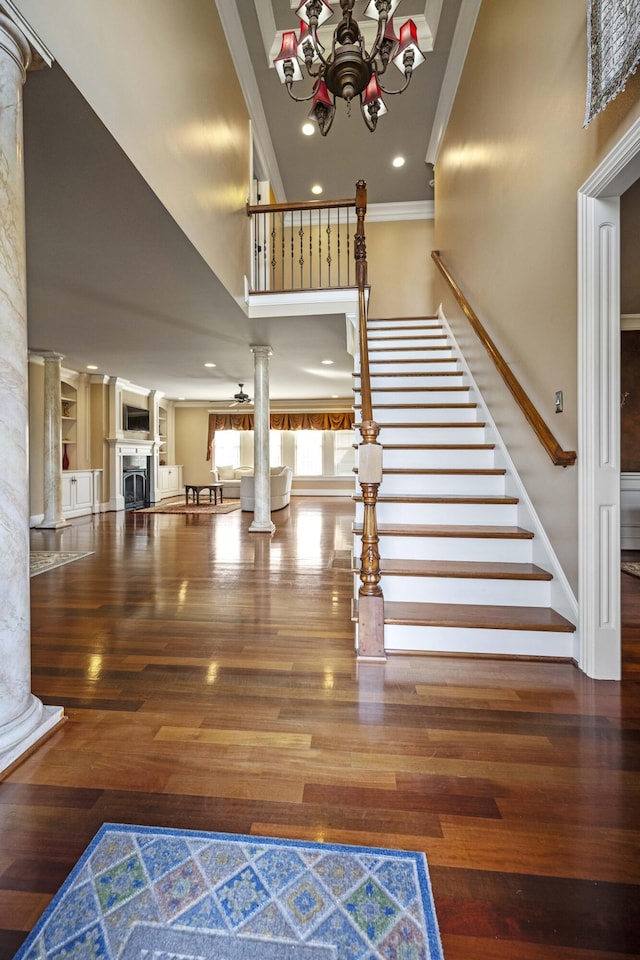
(210, 683)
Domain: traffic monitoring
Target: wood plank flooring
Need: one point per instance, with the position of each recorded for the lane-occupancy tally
(209, 681)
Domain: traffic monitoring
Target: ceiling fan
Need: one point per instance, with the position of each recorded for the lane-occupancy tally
(240, 397)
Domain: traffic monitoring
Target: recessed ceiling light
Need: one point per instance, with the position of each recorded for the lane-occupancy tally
(308, 129)
(327, 362)
(316, 188)
(398, 161)
(209, 364)
(92, 366)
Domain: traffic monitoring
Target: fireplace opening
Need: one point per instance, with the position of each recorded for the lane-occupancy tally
(135, 482)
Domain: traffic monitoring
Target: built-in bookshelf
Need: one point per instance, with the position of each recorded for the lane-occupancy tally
(162, 432)
(69, 426)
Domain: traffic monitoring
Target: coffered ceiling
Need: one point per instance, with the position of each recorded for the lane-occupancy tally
(113, 281)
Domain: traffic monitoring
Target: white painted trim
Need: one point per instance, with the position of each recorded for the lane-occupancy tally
(34, 40)
(598, 405)
(459, 48)
(316, 302)
(630, 321)
(262, 143)
(409, 210)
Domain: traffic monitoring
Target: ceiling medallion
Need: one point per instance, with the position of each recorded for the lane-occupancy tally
(348, 71)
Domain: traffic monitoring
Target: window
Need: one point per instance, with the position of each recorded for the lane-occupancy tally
(308, 462)
(275, 448)
(344, 453)
(227, 448)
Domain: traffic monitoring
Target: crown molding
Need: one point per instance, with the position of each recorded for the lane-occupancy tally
(459, 48)
(630, 321)
(30, 35)
(262, 143)
(410, 210)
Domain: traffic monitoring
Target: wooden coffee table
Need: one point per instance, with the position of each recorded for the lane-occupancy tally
(195, 489)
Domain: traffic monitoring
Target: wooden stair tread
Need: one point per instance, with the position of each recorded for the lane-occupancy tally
(413, 373)
(422, 406)
(410, 349)
(460, 388)
(463, 569)
(439, 446)
(418, 360)
(476, 616)
(427, 472)
(441, 498)
(417, 335)
(475, 531)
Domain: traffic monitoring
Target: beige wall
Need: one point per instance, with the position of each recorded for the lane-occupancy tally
(189, 139)
(191, 427)
(513, 158)
(401, 272)
(630, 250)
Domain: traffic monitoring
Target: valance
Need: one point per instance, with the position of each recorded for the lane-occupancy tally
(278, 421)
(613, 37)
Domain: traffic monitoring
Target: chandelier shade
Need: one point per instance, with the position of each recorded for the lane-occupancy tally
(349, 70)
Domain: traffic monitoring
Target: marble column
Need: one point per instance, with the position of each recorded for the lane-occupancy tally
(53, 517)
(23, 718)
(262, 521)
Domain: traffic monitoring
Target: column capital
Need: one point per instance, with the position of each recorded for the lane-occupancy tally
(47, 355)
(15, 45)
(261, 351)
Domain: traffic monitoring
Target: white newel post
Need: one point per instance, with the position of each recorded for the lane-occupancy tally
(53, 517)
(23, 718)
(262, 521)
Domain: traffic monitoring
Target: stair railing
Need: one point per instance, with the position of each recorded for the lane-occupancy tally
(560, 457)
(301, 246)
(370, 599)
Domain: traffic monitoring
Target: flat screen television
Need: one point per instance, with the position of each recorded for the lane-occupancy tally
(135, 418)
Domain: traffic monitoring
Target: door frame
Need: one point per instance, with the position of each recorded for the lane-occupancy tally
(599, 406)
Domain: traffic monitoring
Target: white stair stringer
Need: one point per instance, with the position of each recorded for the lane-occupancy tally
(466, 566)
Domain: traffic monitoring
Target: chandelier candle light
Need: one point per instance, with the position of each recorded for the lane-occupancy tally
(349, 71)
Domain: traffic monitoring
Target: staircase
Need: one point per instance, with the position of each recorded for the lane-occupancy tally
(465, 565)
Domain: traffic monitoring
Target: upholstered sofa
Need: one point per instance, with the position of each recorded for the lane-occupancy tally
(280, 489)
(230, 477)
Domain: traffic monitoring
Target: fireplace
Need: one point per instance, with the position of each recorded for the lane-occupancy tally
(135, 482)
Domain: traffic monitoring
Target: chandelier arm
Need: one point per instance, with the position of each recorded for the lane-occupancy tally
(375, 50)
(392, 93)
(298, 99)
(313, 30)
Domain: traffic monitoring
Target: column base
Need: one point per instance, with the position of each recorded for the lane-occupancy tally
(267, 526)
(45, 719)
(52, 524)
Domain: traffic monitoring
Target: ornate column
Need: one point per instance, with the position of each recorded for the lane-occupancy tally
(53, 517)
(262, 521)
(23, 719)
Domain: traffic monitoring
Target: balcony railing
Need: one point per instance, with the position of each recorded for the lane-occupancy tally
(302, 246)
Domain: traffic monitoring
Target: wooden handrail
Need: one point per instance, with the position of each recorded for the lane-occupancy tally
(304, 205)
(560, 457)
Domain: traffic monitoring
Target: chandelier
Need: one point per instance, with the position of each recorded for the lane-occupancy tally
(348, 71)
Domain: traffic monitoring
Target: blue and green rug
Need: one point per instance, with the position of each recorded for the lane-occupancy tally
(146, 893)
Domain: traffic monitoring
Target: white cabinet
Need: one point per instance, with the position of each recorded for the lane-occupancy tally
(170, 481)
(79, 492)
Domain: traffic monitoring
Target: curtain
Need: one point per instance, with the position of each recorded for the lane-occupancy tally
(278, 421)
(613, 37)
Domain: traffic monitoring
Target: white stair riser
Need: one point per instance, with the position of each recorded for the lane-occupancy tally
(438, 459)
(512, 593)
(419, 324)
(422, 397)
(492, 550)
(425, 340)
(425, 415)
(494, 514)
(403, 366)
(417, 484)
(419, 434)
(523, 643)
(422, 353)
(455, 379)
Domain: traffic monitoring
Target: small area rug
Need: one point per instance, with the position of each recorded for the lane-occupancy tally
(146, 892)
(631, 567)
(42, 560)
(203, 507)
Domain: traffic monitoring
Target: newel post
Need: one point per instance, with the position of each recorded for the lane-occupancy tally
(370, 599)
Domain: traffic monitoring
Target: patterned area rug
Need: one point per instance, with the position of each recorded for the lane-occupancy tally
(42, 560)
(182, 507)
(144, 892)
(631, 567)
